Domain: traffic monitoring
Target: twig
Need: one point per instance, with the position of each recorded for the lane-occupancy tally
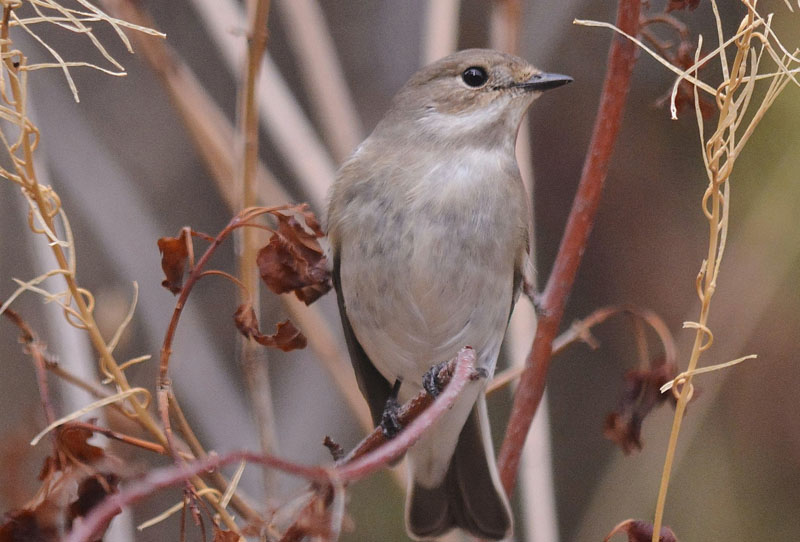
(280, 114)
(350, 472)
(212, 133)
(176, 474)
(251, 354)
(37, 351)
(127, 439)
(622, 56)
(581, 331)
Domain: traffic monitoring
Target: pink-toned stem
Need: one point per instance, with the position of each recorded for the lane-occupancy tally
(161, 478)
(364, 465)
(164, 385)
(382, 456)
(37, 351)
(621, 59)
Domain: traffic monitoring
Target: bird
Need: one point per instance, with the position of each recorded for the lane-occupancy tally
(429, 225)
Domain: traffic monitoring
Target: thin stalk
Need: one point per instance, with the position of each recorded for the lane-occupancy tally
(622, 56)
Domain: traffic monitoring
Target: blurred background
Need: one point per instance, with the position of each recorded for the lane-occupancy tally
(128, 171)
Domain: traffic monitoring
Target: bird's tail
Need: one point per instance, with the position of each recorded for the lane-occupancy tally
(470, 496)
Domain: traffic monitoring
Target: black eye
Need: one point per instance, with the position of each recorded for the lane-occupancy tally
(474, 76)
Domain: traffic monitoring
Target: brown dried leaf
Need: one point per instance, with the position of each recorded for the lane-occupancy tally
(640, 396)
(225, 536)
(74, 440)
(287, 337)
(174, 253)
(91, 492)
(684, 99)
(74, 480)
(641, 531)
(293, 260)
(682, 4)
(24, 526)
(246, 321)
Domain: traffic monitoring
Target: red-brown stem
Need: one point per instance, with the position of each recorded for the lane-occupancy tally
(621, 58)
(173, 475)
(133, 441)
(163, 385)
(39, 355)
(350, 472)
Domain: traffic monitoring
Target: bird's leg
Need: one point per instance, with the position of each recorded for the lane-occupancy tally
(390, 423)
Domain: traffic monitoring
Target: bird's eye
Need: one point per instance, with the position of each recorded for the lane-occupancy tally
(475, 76)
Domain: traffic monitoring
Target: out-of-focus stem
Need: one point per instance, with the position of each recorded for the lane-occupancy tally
(622, 56)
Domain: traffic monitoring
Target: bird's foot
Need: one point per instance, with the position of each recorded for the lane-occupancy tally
(431, 381)
(390, 421)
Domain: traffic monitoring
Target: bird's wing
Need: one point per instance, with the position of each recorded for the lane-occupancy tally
(374, 387)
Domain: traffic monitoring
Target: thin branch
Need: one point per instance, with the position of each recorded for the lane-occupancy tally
(212, 133)
(357, 468)
(280, 114)
(251, 354)
(37, 351)
(622, 56)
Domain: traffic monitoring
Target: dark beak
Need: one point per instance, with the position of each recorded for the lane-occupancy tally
(544, 81)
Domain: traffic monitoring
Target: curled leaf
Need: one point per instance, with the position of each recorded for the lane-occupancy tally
(640, 396)
(287, 337)
(293, 260)
(174, 253)
(641, 531)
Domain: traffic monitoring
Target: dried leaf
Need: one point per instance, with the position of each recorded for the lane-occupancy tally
(684, 99)
(640, 396)
(287, 337)
(74, 440)
(641, 531)
(225, 536)
(91, 492)
(74, 480)
(246, 321)
(174, 253)
(682, 4)
(293, 260)
(24, 526)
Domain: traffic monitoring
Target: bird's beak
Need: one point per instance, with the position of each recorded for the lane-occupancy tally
(544, 81)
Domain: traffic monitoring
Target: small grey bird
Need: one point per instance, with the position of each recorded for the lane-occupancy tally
(429, 225)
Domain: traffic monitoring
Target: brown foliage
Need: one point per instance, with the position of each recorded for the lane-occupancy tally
(682, 4)
(641, 394)
(293, 260)
(287, 337)
(641, 531)
(174, 253)
(74, 480)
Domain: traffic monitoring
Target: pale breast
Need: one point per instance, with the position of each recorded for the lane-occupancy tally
(427, 265)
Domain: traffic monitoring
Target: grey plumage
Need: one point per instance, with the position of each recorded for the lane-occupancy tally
(428, 225)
